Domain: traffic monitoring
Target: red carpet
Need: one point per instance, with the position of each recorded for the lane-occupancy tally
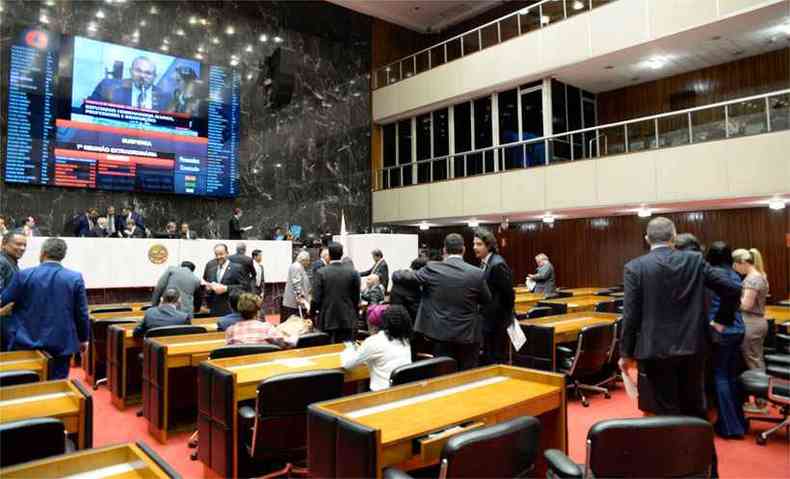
(737, 458)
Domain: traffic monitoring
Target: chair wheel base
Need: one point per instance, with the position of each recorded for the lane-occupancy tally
(607, 396)
(761, 440)
(140, 413)
(586, 403)
(193, 456)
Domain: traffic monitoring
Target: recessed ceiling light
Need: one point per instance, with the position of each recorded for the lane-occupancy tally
(644, 212)
(578, 5)
(99, 14)
(180, 32)
(655, 63)
(215, 41)
(248, 49)
(192, 20)
(777, 204)
(473, 223)
(199, 56)
(548, 218)
(143, 23)
(203, 21)
(164, 48)
(424, 226)
(278, 165)
(153, 10)
(249, 76)
(263, 38)
(92, 26)
(230, 30)
(43, 19)
(278, 39)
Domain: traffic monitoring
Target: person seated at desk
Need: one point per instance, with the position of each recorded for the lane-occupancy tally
(132, 230)
(251, 330)
(374, 292)
(233, 317)
(384, 351)
(166, 314)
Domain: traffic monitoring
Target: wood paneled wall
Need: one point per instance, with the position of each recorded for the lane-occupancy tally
(593, 251)
(740, 78)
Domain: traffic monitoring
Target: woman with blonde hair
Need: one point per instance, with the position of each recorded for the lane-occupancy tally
(749, 263)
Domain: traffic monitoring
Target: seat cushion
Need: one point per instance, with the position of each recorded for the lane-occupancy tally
(755, 382)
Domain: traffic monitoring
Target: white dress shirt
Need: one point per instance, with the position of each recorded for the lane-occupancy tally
(147, 100)
(380, 355)
(221, 270)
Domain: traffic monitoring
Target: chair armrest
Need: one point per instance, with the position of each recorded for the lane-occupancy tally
(394, 473)
(777, 359)
(565, 350)
(561, 466)
(779, 372)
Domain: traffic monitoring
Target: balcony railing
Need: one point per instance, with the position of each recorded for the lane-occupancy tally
(730, 119)
(540, 15)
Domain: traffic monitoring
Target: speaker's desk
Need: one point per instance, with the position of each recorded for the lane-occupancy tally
(224, 383)
(123, 380)
(170, 379)
(63, 399)
(413, 421)
(124, 461)
(36, 361)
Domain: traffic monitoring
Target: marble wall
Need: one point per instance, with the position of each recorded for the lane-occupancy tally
(304, 163)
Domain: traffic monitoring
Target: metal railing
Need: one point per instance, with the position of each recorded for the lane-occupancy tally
(729, 119)
(521, 22)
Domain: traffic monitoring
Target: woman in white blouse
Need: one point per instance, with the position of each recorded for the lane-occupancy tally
(384, 351)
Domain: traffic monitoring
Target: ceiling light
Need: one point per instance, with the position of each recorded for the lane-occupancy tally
(143, 23)
(248, 49)
(199, 56)
(785, 28)
(43, 19)
(99, 14)
(201, 49)
(203, 21)
(548, 218)
(644, 212)
(230, 30)
(655, 63)
(164, 48)
(545, 19)
(578, 5)
(473, 223)
(263, 38)
(278, 39)
(424, 226)
(777, 204)
(524, 11)
(166, 41)
(215, 41)
(192, 20)
(278, 165)
(50, 3)
(180, 32)
(92, 26)
(153, 10)
(249, 76)
(234, 62)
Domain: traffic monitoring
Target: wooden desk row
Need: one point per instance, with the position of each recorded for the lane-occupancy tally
(577, 303)
(124, 461)
(568, 326)
(63, 399)
(36, 361)
(780, 314)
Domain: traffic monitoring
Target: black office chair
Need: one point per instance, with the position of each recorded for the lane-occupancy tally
(538, 351)
(556, 308)
(769, 342)
(593, 351)
(421, 347)
(202, 314)
(12, 378)
(661, 446)
(111, 309)
(560, 294)
(612, 369)
(31, 439)
(147, 307)
(422, 370)
(99, 339)
(276, 429)
(772, 384)
(539, 312)
(506, 450)
(604, 292)
(606, 307)
(316, 338)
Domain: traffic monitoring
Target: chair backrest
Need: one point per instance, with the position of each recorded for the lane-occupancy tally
(622, 447)
(506, 449)
(281, 407)
(321, 442)
(316, 338)
(783, 343)
(174, 331)
(603, 292)
(783, 328)
(538, 351)
(12, 378)
(539, 312)
(242, 350)
(203, 314)
(32, 439)
(593, 349)
(356, 450)
(606, 307)
(423, 369)
(556, 308)
(562, 294)
(111, 309)
(770, 337)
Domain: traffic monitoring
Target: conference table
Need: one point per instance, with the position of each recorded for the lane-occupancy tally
(170, 379)
(225, 383)
(36, 361)
(577, 303)
(63, 399)
(408, 425)
(124, 381)
(568, 326)
(123, 461)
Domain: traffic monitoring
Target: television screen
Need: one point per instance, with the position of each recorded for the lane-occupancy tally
(89, 114)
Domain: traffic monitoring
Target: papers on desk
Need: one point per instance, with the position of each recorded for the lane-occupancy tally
(295, 362)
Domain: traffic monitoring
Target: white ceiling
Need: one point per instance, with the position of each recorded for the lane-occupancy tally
(424, 16)
(757, 32)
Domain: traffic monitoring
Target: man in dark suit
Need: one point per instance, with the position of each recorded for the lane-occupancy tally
(452, 293)
(665, 326)
(165, 314)
(406, 294)
(246, 266)
(498, 314)
(336, 297)
(11, 251)
(235, 231)
(181, 278)
(323, 260)
(220, 276)
(50, 309)
(86, 224)
(130, 214)
(138, 91)
(379, 268)
(170, 232)
(115, 224)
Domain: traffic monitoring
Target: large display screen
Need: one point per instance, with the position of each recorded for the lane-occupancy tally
(89, 114)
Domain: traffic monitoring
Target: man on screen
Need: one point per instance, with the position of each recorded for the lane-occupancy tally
(138, 91)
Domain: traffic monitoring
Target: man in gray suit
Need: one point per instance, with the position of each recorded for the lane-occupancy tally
(544, 277)
(453, 292)
(297, 286)
(181, 278)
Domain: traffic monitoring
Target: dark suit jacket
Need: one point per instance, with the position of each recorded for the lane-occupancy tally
(234, 228)
(247, 267)
(166, 235)
(83, 226)
(227, 321)
(218, 303)
(382, 270)
(498, 314)
(664, 303)
(336, 297)
(51, 310)
(119, 92)
(163, 315)
(407, 295)
(452, 293)
(119, 224)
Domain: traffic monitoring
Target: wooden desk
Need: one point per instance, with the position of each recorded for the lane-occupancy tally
(582, 291)
(95, 363)
(125, 382)
(124, 461)
(36, 361)
(780, 314)
(63, 399)
(568, 326)
(526, 301)
(170, 379)
(134, 306)
(224, 383)
(577, 303)
(404, 416)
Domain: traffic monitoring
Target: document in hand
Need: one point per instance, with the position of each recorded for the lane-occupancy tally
(517, 336)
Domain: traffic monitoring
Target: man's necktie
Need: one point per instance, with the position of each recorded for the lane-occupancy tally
(140, 99)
